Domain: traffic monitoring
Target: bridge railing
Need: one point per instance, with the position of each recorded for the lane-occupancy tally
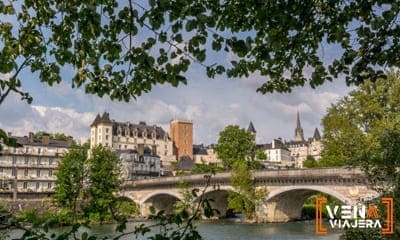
(341, 172)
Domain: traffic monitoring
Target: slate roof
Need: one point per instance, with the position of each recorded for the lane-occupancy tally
(105, 118)
(316, 136)
(38, 142)
(199, 150)
(185, 163)
(251, 128)
(141, 128)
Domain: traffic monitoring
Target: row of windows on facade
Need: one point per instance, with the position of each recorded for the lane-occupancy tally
(26, 172)
(128, 133)
(31, 150)
(31, 160)
(144, 167)
(25, 184)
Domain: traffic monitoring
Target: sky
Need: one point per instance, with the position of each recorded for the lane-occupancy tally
(212, 104)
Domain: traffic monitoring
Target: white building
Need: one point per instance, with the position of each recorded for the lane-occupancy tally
(31, 166)
(300, 148)
(205, 155)
(277, 154)
(128, 136)
(139, 164)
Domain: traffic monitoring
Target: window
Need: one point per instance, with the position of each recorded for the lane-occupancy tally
(39, 161)
(38, 172)
(50, 173)
(1, 170)
(126, 146)
(50, 161)
(27, 149)
(49, 185)
(37, 185)
(25, 185)
(26, 172)
(106, 137)
(39, 150)
(14, 160)
(26, 160)
(13, 172)
(14, 150)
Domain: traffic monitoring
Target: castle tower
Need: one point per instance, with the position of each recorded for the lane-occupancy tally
(316, 136)
(181, 132)
(101, 131)
(298, 132)
(252, 130)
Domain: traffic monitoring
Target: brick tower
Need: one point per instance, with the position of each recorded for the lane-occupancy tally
(181, 132)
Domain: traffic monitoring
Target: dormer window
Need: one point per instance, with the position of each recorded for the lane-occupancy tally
(127, 132)
(135, 132)
(119, 131)
(144, 133)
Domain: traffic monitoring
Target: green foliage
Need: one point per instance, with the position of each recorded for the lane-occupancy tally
(310, 162)
(261, 155)
(362, 234)
(235, 144)
(103, 171)
(354, 124)
(204, 168)
(7, 141)
(244, 198)
(55, 136)
(100, 39)
(69, 179)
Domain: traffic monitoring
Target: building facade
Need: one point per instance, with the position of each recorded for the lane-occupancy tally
(182, 136)
(300, 148)
(206, 155)
(30, 168)
(139, 164)
(129, 136)
(278, 155)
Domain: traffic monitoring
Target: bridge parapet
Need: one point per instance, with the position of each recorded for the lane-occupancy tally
(325, 176)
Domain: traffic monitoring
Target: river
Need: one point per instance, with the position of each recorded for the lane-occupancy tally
(219, 230)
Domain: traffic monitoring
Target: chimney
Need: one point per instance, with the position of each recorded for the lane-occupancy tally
(140, 149)
(30, 138)
(70, 140)
(45, 139)
(154, 150)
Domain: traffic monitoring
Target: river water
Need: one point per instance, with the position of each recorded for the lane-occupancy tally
(220, 230)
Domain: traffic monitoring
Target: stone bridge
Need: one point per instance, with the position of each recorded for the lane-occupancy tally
(287, 190)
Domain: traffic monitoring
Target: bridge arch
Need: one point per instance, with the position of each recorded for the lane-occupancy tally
(285, 204)
(160, 200)
(219, 195)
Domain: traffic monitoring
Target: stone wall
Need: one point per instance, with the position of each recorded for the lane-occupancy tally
(15, 207)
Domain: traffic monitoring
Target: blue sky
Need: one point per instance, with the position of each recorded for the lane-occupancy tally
(211, 103)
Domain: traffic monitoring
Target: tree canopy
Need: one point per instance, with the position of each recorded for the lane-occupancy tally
(123, 48)
(353, 126)
(235, 144)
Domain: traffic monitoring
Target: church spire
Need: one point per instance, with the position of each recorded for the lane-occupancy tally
(298, 132)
